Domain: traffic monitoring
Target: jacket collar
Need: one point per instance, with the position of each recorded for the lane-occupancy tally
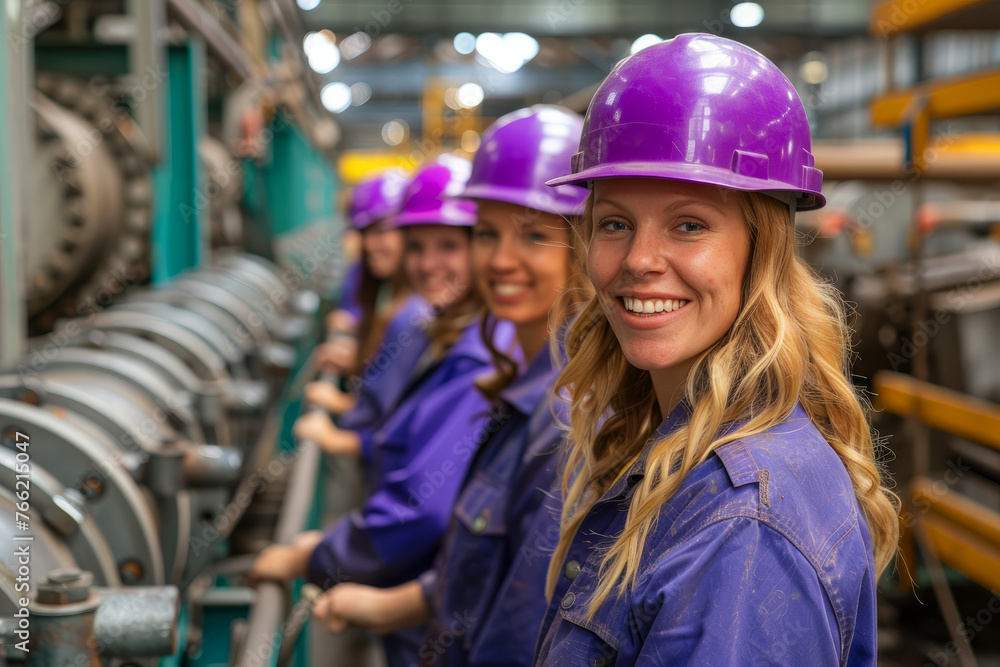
(532, 386)
(637, 470)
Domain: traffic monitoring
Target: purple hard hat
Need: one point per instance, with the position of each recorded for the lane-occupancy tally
(378, 197)
(521, 151)
(703, 109)
(432, 196)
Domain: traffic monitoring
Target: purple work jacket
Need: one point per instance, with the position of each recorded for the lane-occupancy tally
(349, 291)
(383, 381)
(763, 557)
(486, 591)
(420, 457)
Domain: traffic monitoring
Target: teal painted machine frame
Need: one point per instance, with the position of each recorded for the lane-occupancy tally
(180, 219)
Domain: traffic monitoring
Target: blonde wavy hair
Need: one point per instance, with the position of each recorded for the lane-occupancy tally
(789, 343)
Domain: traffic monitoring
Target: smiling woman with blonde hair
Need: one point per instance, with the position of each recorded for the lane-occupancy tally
(722, 501)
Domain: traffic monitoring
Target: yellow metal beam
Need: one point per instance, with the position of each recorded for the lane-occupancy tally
(940, 98)
(356, 165)
(935, 497)
(939, 408)
(966, 552)
(895, 16)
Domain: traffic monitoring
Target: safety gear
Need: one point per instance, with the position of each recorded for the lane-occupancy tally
(378, 197)
(703, 109)
(522, 150)
(431, 196)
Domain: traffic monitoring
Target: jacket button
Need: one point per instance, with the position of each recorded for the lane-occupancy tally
(479, 524)
(569, 600)
(572, 569)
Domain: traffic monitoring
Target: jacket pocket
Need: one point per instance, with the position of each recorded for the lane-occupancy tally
(481, 508)
(591, 641)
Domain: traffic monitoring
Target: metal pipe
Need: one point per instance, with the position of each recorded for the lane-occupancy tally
(137, 621)
(297, 620)
(882, 159)
(263, 631)
(211, 465)
(130, 622)
(196, 18)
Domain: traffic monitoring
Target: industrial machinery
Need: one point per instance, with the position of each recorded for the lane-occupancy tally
(153, 325)
(137, 425)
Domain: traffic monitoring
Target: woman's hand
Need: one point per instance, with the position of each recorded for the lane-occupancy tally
(337, 357)
(326, 395)
(317, 426)
(381, 610)
(284, 562)
(341, 320)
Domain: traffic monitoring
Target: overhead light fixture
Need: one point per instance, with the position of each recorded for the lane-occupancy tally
(361, 92)
(813, 69)
(451, 99)
(465, 43)
(354, 45)
(394, 132)
(471, 141)
(336, 97)
(321, 51)
(308, 4)
(644, 42)
(746, 15)
(506, 53)
(470, 95)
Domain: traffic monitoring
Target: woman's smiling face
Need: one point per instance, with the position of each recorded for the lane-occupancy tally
(437, 262)
(521, 261)
(667, 259)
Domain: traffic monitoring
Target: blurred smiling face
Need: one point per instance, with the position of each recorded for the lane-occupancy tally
(437, 262)
(521, 261)
(383, 246)
(667, 259)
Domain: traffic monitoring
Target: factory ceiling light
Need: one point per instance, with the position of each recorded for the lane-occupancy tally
(746, 15)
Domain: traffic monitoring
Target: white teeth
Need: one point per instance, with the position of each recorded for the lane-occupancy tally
(508, 290)
(651, 306)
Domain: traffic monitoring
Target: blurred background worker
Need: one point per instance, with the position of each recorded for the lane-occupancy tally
(491, 568)
(367, 349)
(374, 289)
(213, 335)
(395, 533)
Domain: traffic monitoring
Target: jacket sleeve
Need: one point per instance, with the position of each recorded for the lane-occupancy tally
(738, 593)
(393, 537)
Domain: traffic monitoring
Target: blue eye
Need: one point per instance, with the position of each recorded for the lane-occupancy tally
(614, 226)
(691, 226)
